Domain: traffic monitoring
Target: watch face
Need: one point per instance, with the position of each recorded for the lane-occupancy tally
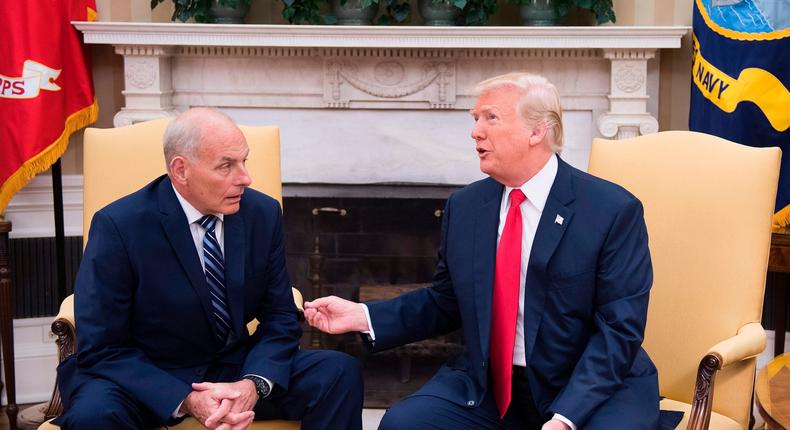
(262, 387)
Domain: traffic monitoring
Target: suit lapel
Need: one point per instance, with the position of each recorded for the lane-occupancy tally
(547, 237)
(486, 223)
(234, 269)
(176, 228)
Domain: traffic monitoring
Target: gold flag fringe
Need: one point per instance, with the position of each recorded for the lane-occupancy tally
(44, 159)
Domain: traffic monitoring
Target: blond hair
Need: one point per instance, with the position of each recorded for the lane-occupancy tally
(539, 105)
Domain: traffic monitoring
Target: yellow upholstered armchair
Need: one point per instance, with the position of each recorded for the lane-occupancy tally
(708, 206)
(119, 161)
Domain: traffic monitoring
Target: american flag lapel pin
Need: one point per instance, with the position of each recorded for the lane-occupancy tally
(559, 219)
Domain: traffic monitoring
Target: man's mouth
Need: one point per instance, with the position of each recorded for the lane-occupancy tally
(481, 152)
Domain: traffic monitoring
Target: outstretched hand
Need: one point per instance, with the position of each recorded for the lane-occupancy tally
(334, 315)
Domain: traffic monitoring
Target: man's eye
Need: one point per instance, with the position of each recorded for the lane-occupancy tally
(491, 117)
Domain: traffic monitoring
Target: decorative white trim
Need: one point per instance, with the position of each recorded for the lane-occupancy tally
(31, 211)
(628, 97)
(127, 116)
(128, 33)
(624, 126)
(408, 87)
(35, 360)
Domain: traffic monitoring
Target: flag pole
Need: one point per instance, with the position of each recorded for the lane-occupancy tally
(60, 236)
(6, 322)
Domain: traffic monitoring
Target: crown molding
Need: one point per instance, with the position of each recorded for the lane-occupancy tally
(182, 34)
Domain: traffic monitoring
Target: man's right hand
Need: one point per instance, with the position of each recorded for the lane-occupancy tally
(334, 315)
(204, 404)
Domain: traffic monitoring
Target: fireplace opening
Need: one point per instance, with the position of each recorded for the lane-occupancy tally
(374, 242)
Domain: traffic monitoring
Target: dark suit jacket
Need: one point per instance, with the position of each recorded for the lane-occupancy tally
(586, 298)
(142, 303)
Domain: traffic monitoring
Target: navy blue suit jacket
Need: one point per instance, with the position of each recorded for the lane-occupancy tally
(142, 304)
(586, 298)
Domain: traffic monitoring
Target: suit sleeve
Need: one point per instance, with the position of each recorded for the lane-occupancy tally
(624, 279)
(105, 287)
(423, 313)
(279, 330)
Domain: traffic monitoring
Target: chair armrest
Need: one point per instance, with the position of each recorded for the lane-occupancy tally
(299, 302)
(748, 343)
(64, 328)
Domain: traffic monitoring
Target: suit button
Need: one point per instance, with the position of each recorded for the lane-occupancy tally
(200, 371)
(483, 364)
(470, 403)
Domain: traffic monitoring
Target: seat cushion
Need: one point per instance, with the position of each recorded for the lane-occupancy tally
(717, 421)
(191, 424)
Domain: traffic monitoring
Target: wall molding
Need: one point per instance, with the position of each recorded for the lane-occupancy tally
(35, 360)
(409, 87)
(295, 36)
(31, 211)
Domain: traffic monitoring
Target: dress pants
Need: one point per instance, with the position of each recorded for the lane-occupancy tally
(325, 392)
(433, 413)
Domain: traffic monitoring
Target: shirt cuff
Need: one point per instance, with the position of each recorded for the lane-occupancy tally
(565, 420)
(370, 332)
(176, 413)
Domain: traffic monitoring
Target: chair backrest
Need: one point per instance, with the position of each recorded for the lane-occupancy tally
(708, 206)
(119, 161)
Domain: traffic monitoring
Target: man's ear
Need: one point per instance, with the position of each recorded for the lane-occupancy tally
(538, 134)
(179, 170)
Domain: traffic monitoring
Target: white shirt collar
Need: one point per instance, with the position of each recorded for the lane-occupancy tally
(538, 187)
(193, 215)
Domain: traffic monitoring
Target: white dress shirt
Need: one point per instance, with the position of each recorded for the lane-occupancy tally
(198, 233)
(537, 191)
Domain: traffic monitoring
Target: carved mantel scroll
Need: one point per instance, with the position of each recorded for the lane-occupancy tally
(149, 88)
(627, 116)
(390, 79)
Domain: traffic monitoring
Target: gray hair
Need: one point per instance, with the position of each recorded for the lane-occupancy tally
(184, 134)
(540, 104)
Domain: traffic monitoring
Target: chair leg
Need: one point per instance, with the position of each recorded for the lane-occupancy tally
(780, 285)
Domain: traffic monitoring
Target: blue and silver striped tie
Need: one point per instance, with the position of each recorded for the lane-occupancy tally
(214, 268)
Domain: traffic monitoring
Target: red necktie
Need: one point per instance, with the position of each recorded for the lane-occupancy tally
(505, 306)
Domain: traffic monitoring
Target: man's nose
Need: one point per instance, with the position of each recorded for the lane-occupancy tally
(243, 179)
(477, 132)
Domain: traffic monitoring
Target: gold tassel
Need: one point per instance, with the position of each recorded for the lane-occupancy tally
(44, 159)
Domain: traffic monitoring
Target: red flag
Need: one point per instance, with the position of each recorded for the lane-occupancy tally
(46, 91)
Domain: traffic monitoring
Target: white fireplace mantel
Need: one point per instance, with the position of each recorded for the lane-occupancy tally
(167, 34)
(409, 87)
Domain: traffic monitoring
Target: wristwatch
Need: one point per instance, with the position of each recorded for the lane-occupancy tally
(261, 386)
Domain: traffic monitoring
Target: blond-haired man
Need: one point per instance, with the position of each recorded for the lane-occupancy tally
(547, 271)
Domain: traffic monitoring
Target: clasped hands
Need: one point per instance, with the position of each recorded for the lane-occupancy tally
(222, 405)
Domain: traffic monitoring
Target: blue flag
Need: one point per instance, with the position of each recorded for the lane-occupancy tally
(741, 75)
